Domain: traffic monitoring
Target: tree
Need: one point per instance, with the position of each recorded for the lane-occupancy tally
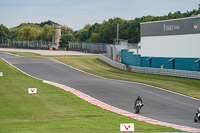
(67, 34)
(199, 7)
(87, 26)
(66, 30)
(95, 38)
(28, 33)
(133, 31)
(13, 32)
(82, 35)
(25, 32)
(47, 33)
(49, 22)
(65, 38)
(109, 31)
(4, 32)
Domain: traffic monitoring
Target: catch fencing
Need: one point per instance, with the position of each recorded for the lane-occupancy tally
(88, 47)
(156, 71)
(114, 51)
(25, 44)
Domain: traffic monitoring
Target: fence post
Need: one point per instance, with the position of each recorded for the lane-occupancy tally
(8, 42)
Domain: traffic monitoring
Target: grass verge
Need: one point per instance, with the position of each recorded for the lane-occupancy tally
(53, 109)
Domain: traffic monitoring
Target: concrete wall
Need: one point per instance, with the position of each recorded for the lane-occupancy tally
(190, 64)
(157, 71)
(185, 46)
(167, 72)
(112, 63)
(187, 64)
(130, 58)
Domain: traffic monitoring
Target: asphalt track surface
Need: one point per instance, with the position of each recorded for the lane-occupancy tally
(158, 104)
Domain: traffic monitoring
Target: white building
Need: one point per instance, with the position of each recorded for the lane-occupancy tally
(171, 38)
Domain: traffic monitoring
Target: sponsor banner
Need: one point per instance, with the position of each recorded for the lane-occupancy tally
(171, 27)
(127, 127)
(1, 74)
(32, 90)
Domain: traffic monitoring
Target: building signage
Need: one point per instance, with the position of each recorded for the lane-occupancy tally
(196, 26)
(171, 27)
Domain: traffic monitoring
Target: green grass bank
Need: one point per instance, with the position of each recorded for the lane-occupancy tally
(53, 109)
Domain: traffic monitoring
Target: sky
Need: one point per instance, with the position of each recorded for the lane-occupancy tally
(77, 13)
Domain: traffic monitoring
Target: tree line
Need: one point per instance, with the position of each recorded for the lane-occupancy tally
(96, 33)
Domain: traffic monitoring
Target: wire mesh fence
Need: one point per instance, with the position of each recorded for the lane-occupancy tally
(25, 44)
(88, 47)
(114, 51)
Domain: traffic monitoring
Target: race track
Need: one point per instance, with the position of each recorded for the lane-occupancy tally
(158, 104)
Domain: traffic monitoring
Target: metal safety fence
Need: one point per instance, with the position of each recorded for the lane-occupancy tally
(156, 71)
(25, 44)
(114, 51)
(88, 47)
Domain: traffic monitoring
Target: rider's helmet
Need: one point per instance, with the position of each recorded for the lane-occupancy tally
(139, 97)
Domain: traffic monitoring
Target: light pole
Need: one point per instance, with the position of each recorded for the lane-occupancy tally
(117, 34)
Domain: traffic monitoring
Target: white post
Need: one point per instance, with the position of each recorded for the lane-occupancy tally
(117, 34)
(8, 42)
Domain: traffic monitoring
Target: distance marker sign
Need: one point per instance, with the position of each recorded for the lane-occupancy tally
(127, 127)
(32, 90)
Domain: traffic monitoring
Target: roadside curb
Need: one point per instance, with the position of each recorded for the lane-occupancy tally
(120, 111)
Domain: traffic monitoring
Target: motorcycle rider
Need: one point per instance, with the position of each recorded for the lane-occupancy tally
(198, 114)
(137, 100)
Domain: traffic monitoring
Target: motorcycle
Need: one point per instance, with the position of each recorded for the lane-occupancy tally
(138, 107)
(197, 117)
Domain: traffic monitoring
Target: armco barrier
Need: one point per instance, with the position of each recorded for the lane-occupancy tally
(168, 72)
(157, 71)
(112, 63)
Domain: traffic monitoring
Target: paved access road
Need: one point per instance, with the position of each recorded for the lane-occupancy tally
(46, 52)
(158, 104)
